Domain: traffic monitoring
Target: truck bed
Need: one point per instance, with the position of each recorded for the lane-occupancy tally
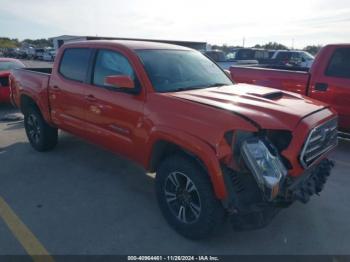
(293, 81)
(34, 83)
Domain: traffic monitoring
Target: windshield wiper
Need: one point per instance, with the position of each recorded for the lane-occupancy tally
(198, 87)
(217, 85)
(185, 89)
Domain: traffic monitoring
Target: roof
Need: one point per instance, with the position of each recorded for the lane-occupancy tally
(339, 45)
(128, 39)
(214, 51)
(133, 45)
(65, 36)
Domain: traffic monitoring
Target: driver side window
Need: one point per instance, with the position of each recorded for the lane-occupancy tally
(110, 63)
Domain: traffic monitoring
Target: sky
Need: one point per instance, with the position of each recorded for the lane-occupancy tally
(302, 22)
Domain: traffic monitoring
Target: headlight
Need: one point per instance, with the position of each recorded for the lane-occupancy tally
(267, 168)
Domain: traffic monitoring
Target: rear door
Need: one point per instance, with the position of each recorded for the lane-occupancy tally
(114, 115)
(67, 89)
(332, 84)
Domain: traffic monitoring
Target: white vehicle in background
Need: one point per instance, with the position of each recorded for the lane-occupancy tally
(49, 54)
(30, 52)
(39, 53)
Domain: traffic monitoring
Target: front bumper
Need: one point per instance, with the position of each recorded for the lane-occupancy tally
(249, 209)
(308, 184)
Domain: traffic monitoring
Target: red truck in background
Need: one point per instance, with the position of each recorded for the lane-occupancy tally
(216, 148)
(328, 80)
(6, 65)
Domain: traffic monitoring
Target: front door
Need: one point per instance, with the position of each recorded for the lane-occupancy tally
(114, 115)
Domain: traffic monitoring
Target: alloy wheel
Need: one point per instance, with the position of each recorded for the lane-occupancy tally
(34, 130)
(182, 197)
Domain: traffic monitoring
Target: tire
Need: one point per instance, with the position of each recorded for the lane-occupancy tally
(41, 136)
(180, 209)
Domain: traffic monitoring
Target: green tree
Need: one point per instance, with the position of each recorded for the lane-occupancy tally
(272, 46)
(39, 42)
(6, 42)
(312, 49)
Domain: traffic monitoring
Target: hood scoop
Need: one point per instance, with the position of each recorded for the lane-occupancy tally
(272, 95)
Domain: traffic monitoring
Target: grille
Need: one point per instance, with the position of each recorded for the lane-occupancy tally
(320, 140)
(4, 81)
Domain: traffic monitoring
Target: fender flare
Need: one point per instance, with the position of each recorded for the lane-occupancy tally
(41, 106)
(199, 148)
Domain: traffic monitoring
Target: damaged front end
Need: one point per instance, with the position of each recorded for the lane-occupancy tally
(257, 177)
(249, 207)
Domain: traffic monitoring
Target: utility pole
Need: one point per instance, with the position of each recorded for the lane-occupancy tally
(292, 43)
(243, 41)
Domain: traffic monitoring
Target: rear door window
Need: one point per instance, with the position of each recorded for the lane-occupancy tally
(75, 63)
(339, 65)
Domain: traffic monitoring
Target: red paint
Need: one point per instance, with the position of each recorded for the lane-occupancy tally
(337, 95)
(196, 121)
(5, 90)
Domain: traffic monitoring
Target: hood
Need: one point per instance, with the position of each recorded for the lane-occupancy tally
(268, 108)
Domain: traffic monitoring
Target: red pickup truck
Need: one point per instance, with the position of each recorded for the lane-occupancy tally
(328, 80)
(6, 65)
(216, 148)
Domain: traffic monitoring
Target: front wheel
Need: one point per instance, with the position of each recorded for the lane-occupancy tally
(186, 198)
(41, 136)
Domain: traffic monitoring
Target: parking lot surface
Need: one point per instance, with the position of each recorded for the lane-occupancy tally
(81, 199)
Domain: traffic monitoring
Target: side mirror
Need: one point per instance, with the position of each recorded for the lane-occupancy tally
(120, 81)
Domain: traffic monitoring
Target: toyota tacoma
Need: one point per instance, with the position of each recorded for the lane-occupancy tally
(219, 150)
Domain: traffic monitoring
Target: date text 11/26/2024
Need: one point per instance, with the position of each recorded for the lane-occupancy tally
(173, 258)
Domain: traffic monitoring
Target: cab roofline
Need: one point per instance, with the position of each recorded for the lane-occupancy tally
(130, 44)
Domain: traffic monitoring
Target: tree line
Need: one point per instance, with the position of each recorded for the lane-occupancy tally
(312, 49)
(6, 42)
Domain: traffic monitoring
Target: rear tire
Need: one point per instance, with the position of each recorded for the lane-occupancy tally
(186, 198)
(41, 136)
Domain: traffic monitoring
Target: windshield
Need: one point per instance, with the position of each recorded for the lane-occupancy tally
(179, 70)
(8, 65)
(308, 56)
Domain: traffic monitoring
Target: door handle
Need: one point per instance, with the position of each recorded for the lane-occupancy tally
(321, 86)
(55, 88)
(91, 98)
